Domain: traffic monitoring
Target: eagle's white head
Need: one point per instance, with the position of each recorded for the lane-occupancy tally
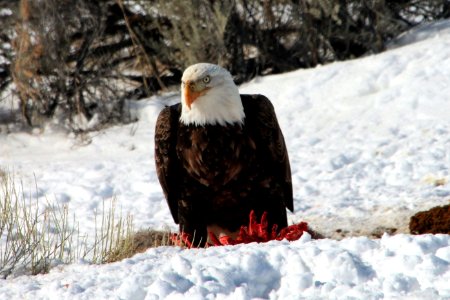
(209, 96)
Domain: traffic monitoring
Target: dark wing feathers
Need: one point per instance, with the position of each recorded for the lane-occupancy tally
(261, 114)
(165, 155)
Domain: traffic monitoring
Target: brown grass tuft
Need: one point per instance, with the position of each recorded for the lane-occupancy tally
(139, 242)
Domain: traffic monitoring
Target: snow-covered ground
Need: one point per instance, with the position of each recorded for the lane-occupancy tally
(368, 139)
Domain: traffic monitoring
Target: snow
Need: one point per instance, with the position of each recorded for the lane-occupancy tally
(357, 268)
(367, 138)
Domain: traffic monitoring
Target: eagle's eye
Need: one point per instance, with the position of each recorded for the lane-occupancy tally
(206, 79)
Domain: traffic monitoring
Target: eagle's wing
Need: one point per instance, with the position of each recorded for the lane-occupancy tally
(165, 155)
(262, 115)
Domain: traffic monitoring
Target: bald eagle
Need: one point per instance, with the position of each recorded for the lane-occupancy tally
(219, 155)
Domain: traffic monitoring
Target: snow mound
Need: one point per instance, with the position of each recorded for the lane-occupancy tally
(356, 268)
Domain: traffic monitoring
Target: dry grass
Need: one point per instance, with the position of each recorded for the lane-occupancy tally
(113, 238)
(35, 236)
(139, 242)
(31, 238)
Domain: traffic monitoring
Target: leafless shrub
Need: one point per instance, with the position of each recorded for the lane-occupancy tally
(8, 15)
(272, 36)
(284, 35)
(79, 60)
(192, 31)
(35, 237)
(69, 62)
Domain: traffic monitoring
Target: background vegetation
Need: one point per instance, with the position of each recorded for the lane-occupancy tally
(37, 235)
(76, 62)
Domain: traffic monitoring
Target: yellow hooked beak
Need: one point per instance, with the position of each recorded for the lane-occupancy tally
(192, 91)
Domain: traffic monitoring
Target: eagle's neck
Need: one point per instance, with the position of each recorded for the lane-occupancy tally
(221, 105)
